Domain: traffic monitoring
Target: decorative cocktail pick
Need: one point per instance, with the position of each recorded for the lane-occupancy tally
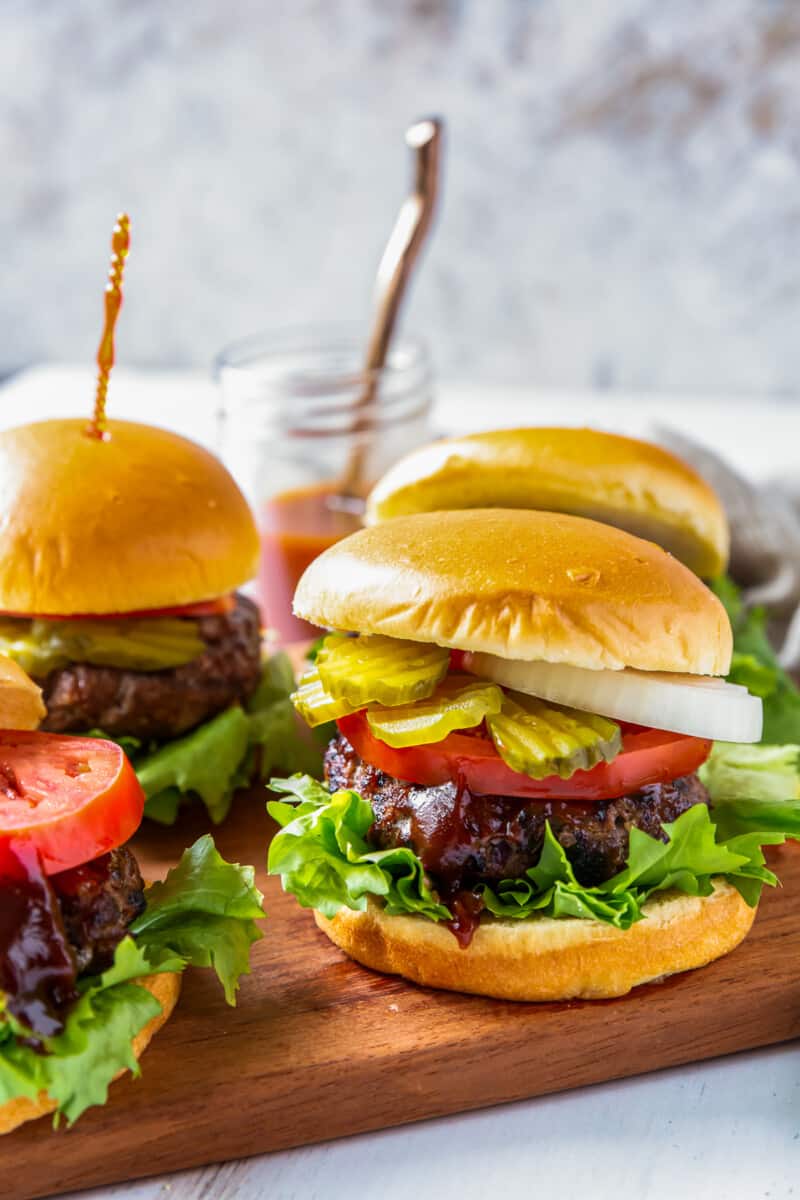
(120, 244)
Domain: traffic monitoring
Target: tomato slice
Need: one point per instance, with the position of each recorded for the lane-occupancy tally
(647, 756)
(203, 608)
(71, 798)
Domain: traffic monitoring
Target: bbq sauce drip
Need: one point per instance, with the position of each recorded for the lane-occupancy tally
(466, 908)
(440, 852)
(37, 969)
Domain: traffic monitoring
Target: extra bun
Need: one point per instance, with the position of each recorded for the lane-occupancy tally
(144, 519)
(544, 958)
(523, 585)
(21, 704)
(634, 485)
(165, 987)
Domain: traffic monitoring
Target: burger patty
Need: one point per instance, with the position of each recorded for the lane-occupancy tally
(465, 839)
(99, 902)
(161, 704)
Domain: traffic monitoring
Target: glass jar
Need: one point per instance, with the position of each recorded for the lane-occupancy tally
(306, 431)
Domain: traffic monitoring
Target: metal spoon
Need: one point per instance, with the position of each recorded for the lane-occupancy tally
(424, 138)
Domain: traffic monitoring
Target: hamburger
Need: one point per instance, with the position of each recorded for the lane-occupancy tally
(120, 560)
(90, 958)
(632, 485)
(511, 805)
(621, 481)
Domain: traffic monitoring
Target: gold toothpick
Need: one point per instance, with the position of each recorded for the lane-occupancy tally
(120, 245)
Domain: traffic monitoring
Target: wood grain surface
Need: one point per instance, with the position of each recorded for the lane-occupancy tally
(319, 1047)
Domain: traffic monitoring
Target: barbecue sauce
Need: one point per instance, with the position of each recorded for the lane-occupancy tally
(438, 834)
(37, 969)
(296, 526)
(466, 908)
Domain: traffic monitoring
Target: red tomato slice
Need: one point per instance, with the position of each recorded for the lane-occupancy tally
(71, 798)
(203, 608)
(649, 756)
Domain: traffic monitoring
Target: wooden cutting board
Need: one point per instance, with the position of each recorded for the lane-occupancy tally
(320, 1047)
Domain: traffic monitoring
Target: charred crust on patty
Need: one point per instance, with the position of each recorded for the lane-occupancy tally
(161, 704)
(99, 901)
(464, 840)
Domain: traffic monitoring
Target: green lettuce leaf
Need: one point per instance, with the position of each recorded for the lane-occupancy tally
(81, 1062)
(202, 763)
(284, 742)
(323, 858)
(755, 665)
(203, 914)
(736, 772)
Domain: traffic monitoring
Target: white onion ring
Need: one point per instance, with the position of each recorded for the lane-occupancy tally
(698, 705)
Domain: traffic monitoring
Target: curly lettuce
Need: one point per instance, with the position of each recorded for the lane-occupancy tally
(742, 772)
(755, 665)
(324, 860)
(202, 915)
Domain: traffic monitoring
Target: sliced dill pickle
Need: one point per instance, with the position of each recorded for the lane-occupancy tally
(381, 670)
(459, 702)
(540, 739)
(315, 705)
(34, 656)
(153, 644)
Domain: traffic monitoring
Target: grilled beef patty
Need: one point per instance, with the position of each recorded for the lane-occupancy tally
(99, 902)
(464, 839)
(161, 704)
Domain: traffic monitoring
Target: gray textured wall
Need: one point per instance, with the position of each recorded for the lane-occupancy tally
(623, 179)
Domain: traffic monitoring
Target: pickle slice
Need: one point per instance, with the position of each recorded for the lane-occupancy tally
(540, 739)
(459, 702)
(35, 658)
(315, 705)
(149, 644)
(382, 670)
(152, 644)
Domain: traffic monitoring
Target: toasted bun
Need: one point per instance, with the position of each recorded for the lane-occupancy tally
(144, 519)
(21, 705)
(545, 958)
(523, 585)
(165, 987)
(624, 482)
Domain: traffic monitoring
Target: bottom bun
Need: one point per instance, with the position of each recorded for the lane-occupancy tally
(165, 987)
(543, 958)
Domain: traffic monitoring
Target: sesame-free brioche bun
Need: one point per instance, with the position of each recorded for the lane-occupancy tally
(545, 958)
(522, 585)
(165, 987)
(143, 519)
(632, 484)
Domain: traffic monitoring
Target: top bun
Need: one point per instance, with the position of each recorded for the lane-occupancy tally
(522, 585)
(631, 484)
(143, 519)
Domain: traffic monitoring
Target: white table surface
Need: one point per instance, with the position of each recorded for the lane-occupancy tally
(727, 1128)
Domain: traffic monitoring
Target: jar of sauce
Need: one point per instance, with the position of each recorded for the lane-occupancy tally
(306, 432)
